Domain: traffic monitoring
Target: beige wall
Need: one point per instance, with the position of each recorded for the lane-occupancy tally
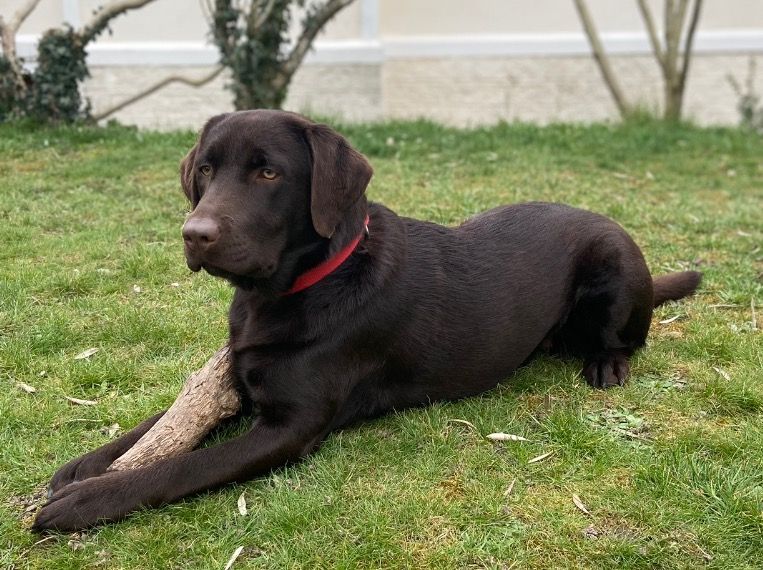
(459, 92)
(414, 17)
(558, 89)
(161, 20)
(183, 20)
(462, 62)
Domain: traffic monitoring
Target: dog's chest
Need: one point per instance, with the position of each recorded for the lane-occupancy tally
(267, 348)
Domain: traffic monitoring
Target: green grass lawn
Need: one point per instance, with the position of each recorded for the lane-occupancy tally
(670, 468)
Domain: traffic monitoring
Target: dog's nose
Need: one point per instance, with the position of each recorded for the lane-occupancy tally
(201, 232)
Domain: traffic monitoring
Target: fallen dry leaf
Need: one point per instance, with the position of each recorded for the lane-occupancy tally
(591, 532)
(670, 320)
(86, 354)
(725, 375)
(136, 289)
(242, 505)
(500, 436)
(75, 544)
(579, 504)
(510, 488)
(707, 556)
(540, 457)
(111, 430)
(26, 388)
(80, 401)
(233, 557)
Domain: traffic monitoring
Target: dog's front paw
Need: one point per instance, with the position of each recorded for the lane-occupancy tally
(82, 504)
(89, 465)
(606, 370)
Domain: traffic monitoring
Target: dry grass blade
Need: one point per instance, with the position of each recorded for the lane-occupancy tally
(541, 457)
(86, 354)
(80, 401)
(753, 316)
(46, 539)
(242, 505)
(500, 436)
(510, 488)
(707, 556)
(579, 504)
(725, 375)
(233, 557)
(464, 423)
(26, 388)
(670, 320)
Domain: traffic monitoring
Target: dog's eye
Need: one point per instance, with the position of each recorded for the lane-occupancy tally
(268, 173)
(205, 169)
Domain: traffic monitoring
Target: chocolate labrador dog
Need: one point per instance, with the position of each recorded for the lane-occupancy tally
(344, 311)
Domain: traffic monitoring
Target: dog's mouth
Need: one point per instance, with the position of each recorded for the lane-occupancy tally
(235, 279)
(247, 279)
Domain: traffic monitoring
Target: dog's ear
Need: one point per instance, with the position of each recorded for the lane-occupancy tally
(188, 178)
(339, 178)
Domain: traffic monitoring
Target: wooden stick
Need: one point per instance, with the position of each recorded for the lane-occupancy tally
(208, 397)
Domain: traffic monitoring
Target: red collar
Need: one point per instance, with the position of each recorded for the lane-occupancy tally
(312, 276)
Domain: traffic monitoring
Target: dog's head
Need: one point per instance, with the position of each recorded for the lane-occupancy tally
(270, 192)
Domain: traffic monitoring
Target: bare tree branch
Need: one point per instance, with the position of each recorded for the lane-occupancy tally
(675, 14)
(305, 41)
(156, 87)
(689, 41)
(651, 29)
(207, 10)
(258, 17)
(601, 57)
(674, 19)
(22, 14)
(8, 42)
(105, 14)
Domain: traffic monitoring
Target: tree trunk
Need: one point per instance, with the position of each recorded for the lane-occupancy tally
(257, 97)
(674, 95)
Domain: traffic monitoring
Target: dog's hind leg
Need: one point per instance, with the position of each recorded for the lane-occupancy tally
(611, 312)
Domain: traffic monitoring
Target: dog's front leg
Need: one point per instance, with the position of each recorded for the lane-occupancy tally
(96, 462)
(114, 495)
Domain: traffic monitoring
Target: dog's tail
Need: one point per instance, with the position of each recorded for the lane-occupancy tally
(674, 286)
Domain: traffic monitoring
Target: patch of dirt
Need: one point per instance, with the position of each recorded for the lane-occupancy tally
(452, 487)
(28, 505)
